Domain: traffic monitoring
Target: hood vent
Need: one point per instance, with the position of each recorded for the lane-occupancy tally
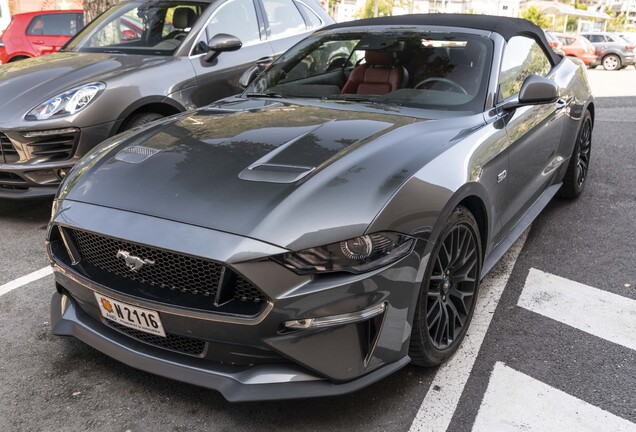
(135, 154)
(275, 173)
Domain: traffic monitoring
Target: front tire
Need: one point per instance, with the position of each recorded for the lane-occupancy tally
(449, 291)
(576, 174)
(141, 119)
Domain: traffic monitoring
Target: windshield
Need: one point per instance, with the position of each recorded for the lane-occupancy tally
(423, 69)
(150, 28)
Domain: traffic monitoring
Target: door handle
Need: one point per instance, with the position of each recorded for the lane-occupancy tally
(37, 42)
(561, 103)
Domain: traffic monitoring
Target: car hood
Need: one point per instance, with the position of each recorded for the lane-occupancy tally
(27, 83)
(288, 174)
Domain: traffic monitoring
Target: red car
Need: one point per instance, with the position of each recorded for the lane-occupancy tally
(34, 34)
(578, 46)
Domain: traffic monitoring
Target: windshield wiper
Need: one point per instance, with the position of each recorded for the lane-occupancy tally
(265, 94)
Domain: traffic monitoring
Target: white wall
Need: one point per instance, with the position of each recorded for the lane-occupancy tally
(5, 19)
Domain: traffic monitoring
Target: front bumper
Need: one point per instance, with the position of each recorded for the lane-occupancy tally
(246, 357)
(34, 166)
(235, 383)
(590, 59)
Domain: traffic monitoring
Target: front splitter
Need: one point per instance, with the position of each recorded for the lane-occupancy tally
(254, 383)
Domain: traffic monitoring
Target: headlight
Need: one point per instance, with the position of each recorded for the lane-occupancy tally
(67, 103)
(356, 255)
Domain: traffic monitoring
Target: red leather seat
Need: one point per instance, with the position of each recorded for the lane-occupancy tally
(378, 76)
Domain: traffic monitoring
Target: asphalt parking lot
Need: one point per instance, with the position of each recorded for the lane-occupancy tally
(553, 346)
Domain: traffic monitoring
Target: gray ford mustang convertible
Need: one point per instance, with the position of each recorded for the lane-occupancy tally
(331, 224)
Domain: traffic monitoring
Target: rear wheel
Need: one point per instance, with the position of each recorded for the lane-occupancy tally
(449, 291)
(576, 174)
(141, 119)
(611, 62)
(18, 58)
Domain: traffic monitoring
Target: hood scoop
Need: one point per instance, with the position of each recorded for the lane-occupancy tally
(275, 173)
(135, 154)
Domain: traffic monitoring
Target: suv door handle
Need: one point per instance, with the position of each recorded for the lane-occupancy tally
(37, 42)
(561, 103)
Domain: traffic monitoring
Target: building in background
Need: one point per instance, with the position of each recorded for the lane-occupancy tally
(627, 7)
(346, 10)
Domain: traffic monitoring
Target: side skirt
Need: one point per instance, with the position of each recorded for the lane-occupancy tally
(516, 231)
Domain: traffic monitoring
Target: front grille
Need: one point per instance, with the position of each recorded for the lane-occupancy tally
(53, 147)
(181, 344)
(12, 181)
(167, 277)
(8, 153)
(170, 270)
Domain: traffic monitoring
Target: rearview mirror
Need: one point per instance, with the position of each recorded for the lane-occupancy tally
(220, 43)
(534, 91)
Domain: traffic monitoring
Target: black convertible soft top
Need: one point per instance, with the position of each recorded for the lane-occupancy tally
(506, 27)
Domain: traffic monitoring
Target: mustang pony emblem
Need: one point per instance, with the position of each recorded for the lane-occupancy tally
(134, 263)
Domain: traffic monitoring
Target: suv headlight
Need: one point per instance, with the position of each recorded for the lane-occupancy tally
(67, 103)
(356, 255)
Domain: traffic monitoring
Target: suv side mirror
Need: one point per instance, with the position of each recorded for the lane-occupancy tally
(220, 43)
(534, 91)
(248, 77)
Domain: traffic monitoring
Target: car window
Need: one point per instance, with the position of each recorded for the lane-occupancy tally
(236, 18)
(610, 38)
(437, 70)
(313, 20)
(595, 38)
(332, 55)
(523, 56)
(149, 28)
(283, 17)
(63, 24)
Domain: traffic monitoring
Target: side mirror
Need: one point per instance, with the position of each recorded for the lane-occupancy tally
(220, 43)
(248, 76)
(534, 91)
(129, 35)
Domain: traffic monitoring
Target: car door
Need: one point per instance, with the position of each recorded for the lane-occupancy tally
(534, 131)
(220, 77)
(48, 32)
(599, 42)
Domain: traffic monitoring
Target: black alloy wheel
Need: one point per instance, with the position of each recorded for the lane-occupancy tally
(579, 165)
(449, 291)
(585, 147)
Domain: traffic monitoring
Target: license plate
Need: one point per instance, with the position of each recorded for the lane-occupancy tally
(130, 316)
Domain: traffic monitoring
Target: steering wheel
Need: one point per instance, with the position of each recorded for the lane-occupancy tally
(444, 80)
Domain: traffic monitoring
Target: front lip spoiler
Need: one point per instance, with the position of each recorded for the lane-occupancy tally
(257, 383)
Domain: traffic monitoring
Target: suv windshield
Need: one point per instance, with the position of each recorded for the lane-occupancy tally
(150, 28)
(423, 69)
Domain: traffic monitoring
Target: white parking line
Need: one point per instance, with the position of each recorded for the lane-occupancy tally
(519, 403)
(601, 313)
(438, 407)
(17, 283)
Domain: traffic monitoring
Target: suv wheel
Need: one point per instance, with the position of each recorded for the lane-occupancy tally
(611, 62)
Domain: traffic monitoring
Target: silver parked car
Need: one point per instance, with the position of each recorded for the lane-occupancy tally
(613, 51)
(137, 62)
